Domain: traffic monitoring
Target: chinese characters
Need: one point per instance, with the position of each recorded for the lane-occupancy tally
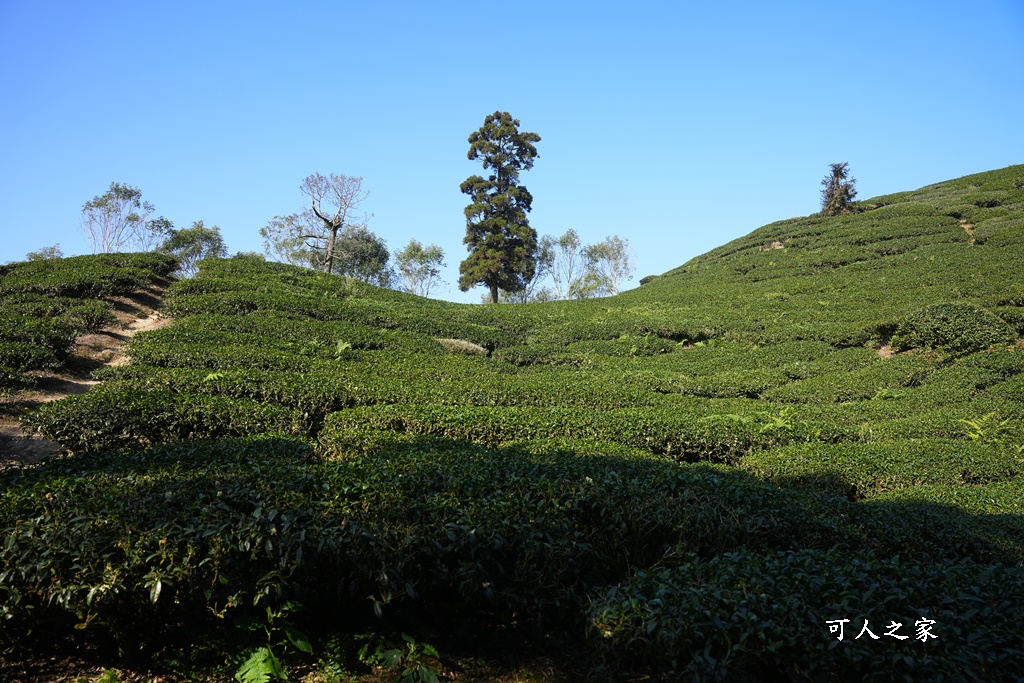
(922, 630)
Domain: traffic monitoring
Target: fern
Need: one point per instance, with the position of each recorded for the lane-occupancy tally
(261, 667)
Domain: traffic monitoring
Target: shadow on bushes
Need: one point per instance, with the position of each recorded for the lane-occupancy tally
(434, 535)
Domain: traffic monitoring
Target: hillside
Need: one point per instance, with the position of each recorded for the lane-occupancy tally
(822, 420)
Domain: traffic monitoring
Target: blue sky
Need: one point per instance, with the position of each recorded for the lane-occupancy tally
(679, 126)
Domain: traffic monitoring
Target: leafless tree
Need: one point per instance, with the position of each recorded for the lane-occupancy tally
(609, 264)
(567, 265)
(333, 200)
(118, 219)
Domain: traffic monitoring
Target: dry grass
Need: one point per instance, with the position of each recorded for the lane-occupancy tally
(463, 347)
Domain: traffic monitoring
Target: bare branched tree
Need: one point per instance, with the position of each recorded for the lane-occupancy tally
(333, 200)
(609, 264)
(567, 265)
(117, 220)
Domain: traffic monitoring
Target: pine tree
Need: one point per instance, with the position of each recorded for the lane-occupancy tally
(502, 245)
(838, 192)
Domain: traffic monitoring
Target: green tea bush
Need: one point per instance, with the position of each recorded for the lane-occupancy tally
(739, 383)
(891, 374)
(113, 418)
(749, 615)
(88, 277)
(137, 542)
(280, 330)
(539, 354)
(627, 345)
(312, 395)
(82, 314)
(21, 357)
(45, 305)
(947, 421)
(690, 436)
(864, 470)
(1013, 316)
(1010, 390)
(959, 328)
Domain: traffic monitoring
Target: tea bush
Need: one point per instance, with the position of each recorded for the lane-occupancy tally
(958, 328)
(864, 470)
(754, 615)
(45, 305)
(550, 483)
(135, 542)
(686, 435)
(116, 418)
(862, 384)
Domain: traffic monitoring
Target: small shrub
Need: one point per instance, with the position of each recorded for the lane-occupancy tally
(958, 328)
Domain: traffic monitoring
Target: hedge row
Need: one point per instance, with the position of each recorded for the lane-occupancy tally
(749, 615)
(889, 375)
(88, 277)
(685, 435)
(958, 328)
(137, 542)
(113, 417)
(280, 329)
(863, 470)
(45, 305)
(140, 541)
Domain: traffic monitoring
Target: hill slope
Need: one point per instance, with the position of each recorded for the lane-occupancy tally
(822, 420)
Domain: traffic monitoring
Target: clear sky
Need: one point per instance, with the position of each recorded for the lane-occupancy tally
(678, 125)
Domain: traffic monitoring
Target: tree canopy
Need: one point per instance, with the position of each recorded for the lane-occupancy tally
(334, 200)
(191, 245)
(118, 220)
(838, 192)
(419, 267)
(502, 246)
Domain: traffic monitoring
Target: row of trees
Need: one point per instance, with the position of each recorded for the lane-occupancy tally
(332, 235)
(575, 270)
(505, 254)
(120, 220)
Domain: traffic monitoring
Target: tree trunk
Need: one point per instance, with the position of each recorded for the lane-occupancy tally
(494, 293)
(332, 232)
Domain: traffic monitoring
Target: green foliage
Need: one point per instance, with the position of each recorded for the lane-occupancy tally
(740, 614)
(191, 245)
(263, 665)
(687, 434)
(113, 417)
(704, 469)
(361, 254)
(419, 268)
(958, 328)
(502, 245)
(45, 253)
(45, 304)
(864, 470)
(118, 219)
(407, 661)
(838, 192)
(876, 381)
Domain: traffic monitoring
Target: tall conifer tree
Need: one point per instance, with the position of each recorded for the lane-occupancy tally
(502, 245)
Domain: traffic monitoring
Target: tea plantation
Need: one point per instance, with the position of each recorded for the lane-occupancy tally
(698, 479)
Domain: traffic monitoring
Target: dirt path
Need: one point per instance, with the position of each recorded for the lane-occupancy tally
(136, 313)
(969, 229)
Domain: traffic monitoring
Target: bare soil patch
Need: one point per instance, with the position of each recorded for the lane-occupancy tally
(969, 229)
(135, 313)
